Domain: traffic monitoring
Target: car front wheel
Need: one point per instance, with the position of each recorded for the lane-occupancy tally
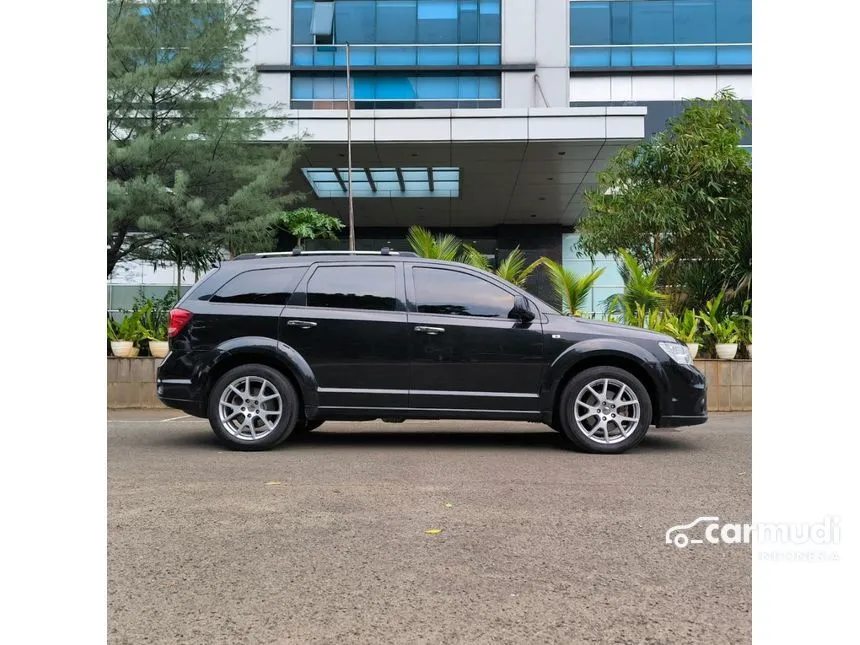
(605, 410)
(253, 407)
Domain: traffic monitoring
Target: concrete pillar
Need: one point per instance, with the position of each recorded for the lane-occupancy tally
(536, 31)
(273, 47)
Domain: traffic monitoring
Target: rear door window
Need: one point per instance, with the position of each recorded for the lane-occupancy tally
(353, 287)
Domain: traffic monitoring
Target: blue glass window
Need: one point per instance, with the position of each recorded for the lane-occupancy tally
(490, 21)
(468, 22)
(706, 32)
(322, 19)
(429, 89)
(411, 23)
(355, 21)
(590, 25)
(396, 22)
(437, 21)
(734, 21)
(302, 12)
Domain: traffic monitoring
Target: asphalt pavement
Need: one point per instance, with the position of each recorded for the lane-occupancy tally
(423, 532)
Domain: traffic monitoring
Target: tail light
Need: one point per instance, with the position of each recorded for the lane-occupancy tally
(178, 319)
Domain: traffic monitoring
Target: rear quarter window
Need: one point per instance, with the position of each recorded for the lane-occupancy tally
(261, 287)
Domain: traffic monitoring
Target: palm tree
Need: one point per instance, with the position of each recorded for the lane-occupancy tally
(512, 269)
(473, 257)
(640, 297)
(433, 247)
(570, 289)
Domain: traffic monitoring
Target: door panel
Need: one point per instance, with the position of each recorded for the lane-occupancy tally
(477, 360)
(358, 353)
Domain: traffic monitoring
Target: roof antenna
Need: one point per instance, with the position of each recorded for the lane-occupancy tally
(385, 250)
(297, 250)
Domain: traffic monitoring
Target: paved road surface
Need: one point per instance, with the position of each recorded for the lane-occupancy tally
(324, 541)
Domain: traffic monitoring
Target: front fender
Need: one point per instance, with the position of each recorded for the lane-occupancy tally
(616, 350)
(281, 354)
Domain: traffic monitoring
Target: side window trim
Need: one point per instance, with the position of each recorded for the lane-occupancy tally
(412, 298)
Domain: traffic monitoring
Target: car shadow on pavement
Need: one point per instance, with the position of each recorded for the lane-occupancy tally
(406, 439)
(660, 441)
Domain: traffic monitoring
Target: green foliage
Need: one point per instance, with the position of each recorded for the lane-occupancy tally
(129, 329)
(684, 193)
(112, 331)
(696, 282)
(744, 324)
(433, 247)
(720, 327)
(570, 289)
(473, 257)
(309, 224)
(641, 295)
(154, 315)
(514, 268)
(685, 327)
(735, 260)
(181, 117)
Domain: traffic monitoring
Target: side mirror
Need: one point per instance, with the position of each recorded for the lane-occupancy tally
(521, 311)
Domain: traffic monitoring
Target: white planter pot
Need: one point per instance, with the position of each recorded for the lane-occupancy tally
(749, 350)
(694, 349)
(158, 348)
(121, 348)
(727, 351)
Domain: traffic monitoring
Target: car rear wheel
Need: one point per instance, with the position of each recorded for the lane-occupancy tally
(605, 410)
(253, 407)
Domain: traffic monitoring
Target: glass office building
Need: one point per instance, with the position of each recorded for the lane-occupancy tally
(486, 118)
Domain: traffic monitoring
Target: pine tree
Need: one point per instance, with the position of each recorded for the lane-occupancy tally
(182, 117)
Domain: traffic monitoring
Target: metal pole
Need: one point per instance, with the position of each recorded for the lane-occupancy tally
(349, 151)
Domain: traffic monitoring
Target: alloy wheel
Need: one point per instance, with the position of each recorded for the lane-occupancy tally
(250, 408)
(606, 411)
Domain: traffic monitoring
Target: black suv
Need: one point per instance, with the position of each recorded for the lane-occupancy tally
(273, 344)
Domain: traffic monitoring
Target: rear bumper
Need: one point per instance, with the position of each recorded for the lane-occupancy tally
(175, 388)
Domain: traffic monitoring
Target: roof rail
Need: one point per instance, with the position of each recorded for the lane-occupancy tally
(297, 251)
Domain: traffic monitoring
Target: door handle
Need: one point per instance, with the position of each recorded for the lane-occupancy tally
(304, 324)
(432, 331)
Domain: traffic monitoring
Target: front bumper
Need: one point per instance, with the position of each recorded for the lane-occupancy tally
(686, 402)
(677, 422)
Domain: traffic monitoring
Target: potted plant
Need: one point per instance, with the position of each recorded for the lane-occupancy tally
(158, 345)
(744, 323)
(685, 328)
(153, 325)
(725, 335)
(119, 347)
(123, 336)
(723, 329)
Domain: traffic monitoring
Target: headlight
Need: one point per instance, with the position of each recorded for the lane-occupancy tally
(677, 352)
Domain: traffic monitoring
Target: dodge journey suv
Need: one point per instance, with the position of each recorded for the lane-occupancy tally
(274, 344)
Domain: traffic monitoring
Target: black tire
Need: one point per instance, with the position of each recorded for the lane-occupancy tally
(577, 436)
(304, 427)
(285, 424)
